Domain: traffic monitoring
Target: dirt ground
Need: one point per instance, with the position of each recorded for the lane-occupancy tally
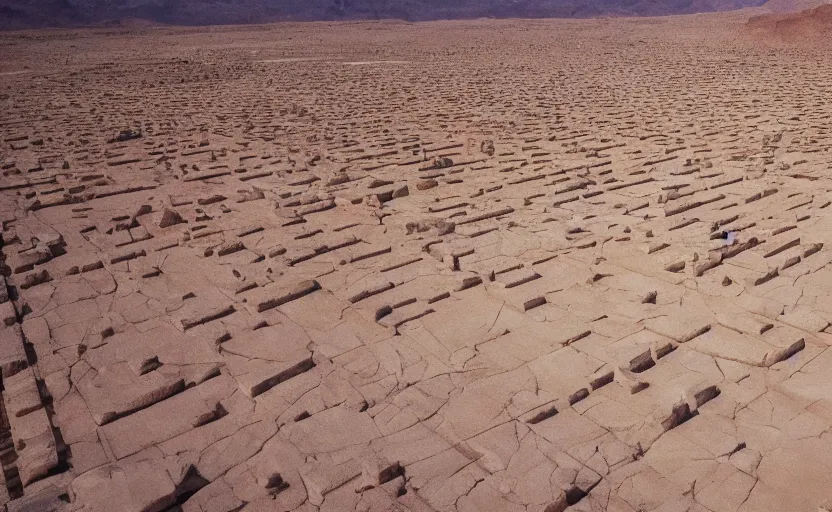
(508, 266)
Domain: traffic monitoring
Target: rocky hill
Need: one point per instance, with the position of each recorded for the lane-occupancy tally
(809, 25)
(783, 6)
(36, 13)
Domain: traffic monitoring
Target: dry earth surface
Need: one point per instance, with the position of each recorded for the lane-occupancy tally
(509, 266)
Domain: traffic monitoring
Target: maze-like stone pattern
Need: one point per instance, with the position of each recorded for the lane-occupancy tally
(516, 266)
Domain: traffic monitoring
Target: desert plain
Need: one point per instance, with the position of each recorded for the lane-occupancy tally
(486, 265)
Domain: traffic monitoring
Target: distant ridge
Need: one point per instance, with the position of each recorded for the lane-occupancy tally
(45, 13)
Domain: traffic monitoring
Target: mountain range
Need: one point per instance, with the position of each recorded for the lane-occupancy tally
(43, 13)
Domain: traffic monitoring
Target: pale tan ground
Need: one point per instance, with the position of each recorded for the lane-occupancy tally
(479, 266)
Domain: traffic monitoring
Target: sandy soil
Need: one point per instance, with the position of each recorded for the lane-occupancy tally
(504, 266)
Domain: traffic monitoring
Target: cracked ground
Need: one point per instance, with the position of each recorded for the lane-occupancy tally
(508, 266)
